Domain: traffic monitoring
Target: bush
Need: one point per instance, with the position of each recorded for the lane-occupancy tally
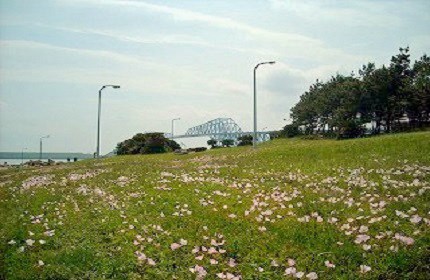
(291, 130)
(351, 129)
(245, 140)
(146, 143)
(227, 142)
(197, 150)
(213, 143)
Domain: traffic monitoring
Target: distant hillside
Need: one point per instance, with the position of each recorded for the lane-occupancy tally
(18, 155)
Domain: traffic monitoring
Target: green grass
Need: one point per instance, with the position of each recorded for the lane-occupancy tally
(285, 185)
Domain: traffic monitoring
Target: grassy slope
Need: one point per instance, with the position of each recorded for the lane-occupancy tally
(94, 232)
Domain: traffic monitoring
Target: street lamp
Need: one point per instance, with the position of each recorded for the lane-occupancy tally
(40, 152)
(177, 119)
(254, 139)
(98, 120)
(22, 155)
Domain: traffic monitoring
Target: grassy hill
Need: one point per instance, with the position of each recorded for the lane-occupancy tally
(292, 208)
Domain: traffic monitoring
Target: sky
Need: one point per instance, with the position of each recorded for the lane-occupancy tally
(190, 59)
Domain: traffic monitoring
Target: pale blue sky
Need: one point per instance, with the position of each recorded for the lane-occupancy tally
(187, 59)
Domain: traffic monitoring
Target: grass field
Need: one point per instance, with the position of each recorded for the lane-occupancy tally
(295, 208)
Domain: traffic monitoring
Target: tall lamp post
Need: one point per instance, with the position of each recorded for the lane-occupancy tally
(173, 123)
(41, 142)
(254, 139)
(98, 120)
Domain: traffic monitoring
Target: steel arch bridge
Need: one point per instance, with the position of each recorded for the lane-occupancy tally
(220, 129)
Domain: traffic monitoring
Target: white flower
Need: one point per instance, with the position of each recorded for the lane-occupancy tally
(175, 246)
(290, 270)
(195, 250)
(404, 239)
(274, 263)
(40, 263)
(291, 262)
(29, 242)
(231, 263)
(361, 238)
(394, 248)
(212, 250)
(140, 256)
(200, 270)
(49, 233)
(415, 219)
(329, 264)
(363, 229)
(151, 262)
(312, 276)
(365, 268)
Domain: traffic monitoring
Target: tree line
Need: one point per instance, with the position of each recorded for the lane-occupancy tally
(386, 99)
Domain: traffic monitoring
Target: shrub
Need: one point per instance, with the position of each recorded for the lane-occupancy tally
(213, 143)
(227, 142)
(245, 140)
(291, 130)
(146, 143)
(351, 129)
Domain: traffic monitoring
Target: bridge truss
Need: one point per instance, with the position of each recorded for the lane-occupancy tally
(220, 129)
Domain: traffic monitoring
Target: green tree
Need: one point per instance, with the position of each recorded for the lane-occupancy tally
(213, 143)
(146, 143)
(227, 142)
(418, 108)
(382, 96)
(400, 87)
(245, 140)
(291, 130)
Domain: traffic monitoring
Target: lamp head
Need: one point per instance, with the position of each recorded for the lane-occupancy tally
(272, 62)
(116, 86)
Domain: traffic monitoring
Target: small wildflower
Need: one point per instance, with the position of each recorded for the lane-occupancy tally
(365, 268)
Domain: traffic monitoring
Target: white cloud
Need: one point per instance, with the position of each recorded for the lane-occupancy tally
(180, 39)
(221, 22)
(12, 45)
(49, 63)
(296, 45)
(349, 13)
